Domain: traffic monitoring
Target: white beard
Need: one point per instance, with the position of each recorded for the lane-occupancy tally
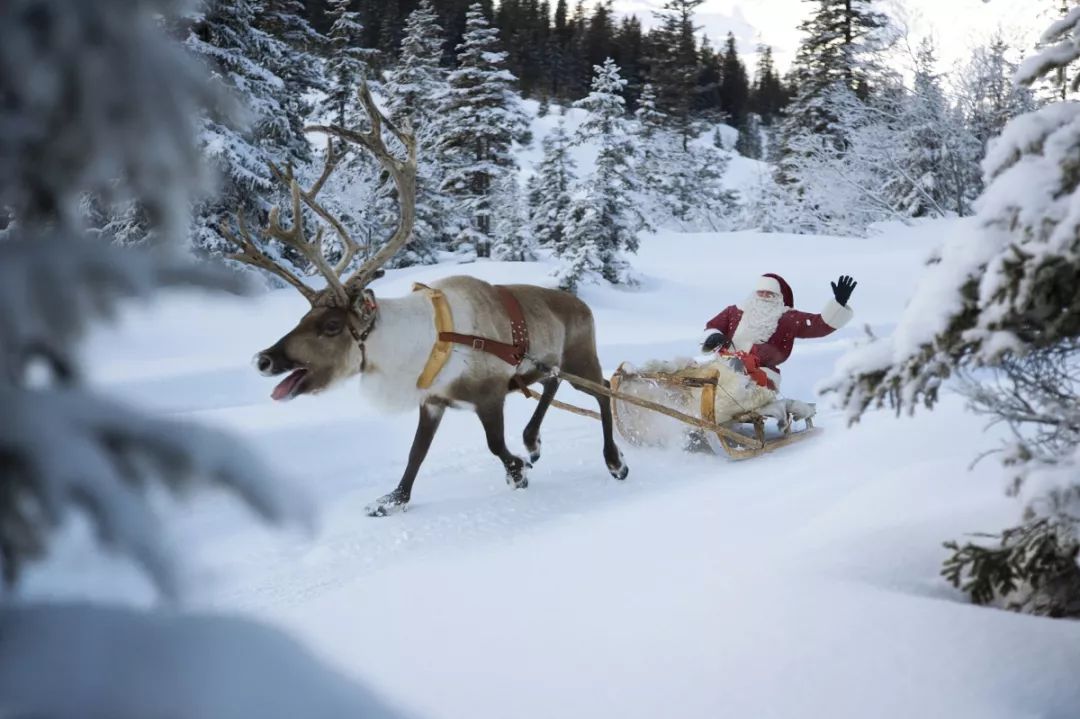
(759, 319)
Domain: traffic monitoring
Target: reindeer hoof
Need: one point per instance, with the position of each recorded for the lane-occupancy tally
(619, 470)
(385, 506)
(534, 452)
(515, 475)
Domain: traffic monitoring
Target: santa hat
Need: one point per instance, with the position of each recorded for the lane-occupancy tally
(777, 285)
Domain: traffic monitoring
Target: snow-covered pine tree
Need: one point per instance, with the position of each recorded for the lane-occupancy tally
(695, 197)
(841, 38)
(96, 122)
(836, 53)
(549, 199)
(933, 170)
(347, 63)
(748, 143)
(292, 58)
(679, 187)
(415, 88)
(603, 220)
(1007, 302)
(986, 92)
(836, 188)
(512, 240)
(240, 142)
(653, 145)
(417, 84)
(481, 118)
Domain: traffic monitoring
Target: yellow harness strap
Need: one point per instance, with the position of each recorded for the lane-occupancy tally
(444, 322)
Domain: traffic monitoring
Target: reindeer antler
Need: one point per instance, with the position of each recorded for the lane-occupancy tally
(252, 255)
(403, 172)
(349, 246)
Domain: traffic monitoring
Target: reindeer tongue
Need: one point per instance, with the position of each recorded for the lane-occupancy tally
(285, 388)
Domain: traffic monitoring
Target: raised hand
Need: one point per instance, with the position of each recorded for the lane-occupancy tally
(843, 288)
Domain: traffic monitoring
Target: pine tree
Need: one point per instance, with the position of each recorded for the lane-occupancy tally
(986, 92)
(415, 88)
(603, 220)
(482, 118)
(1011, 327)
(549, 200)
(227, 38)
(597, 40)
(628, 53)
(748, 143)
(835, 63)
(674, 64)
(292, 58)
(680, 188)
(767, 97)
(735, 87)
(512, 241)
(707, 100)
(347, 63)
(837, 51)
(936, 165)
(416, 85)
(653, 145)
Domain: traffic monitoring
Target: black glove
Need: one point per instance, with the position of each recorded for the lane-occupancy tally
(714, 341)
(843, 288)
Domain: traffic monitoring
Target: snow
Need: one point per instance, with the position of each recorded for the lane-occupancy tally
(802, 583)
(73, 660)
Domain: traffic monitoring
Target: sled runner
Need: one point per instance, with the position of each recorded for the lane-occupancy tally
(691, 405)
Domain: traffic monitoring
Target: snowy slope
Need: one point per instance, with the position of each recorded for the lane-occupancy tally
(800, 584)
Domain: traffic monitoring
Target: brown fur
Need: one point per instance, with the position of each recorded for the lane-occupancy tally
(562, 335)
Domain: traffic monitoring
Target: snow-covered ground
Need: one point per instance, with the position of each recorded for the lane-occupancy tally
(800, 584)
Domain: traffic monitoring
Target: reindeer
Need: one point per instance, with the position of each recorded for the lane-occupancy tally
(505, 338)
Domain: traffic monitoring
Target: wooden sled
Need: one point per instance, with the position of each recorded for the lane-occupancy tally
(741, 437)
(733, 438)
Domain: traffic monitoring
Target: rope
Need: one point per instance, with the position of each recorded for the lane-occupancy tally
(598, 388)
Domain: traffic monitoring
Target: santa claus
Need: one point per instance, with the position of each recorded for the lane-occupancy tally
(761, 330)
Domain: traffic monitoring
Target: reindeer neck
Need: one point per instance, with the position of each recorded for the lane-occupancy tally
(402, 338)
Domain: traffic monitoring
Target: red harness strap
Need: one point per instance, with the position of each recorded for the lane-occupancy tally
(519, 332)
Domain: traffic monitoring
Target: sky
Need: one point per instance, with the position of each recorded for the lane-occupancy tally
(955, 25)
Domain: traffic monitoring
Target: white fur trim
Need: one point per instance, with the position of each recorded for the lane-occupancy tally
(836, 315)
(769, 284)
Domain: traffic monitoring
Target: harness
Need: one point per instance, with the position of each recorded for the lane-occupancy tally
(367, 313)
(446, 337)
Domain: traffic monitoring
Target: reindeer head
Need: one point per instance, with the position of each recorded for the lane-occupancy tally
(328, 343)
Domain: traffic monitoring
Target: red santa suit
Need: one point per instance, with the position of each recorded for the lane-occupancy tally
(766, 330)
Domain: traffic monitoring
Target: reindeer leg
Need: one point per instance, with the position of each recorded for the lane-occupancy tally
(430, 415)
(590, 369)
(491, 416)
(531, 435)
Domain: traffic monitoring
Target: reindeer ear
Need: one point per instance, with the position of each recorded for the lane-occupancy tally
(378, 273)
(364, 303)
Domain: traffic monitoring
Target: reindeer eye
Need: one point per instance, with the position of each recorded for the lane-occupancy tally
(333, 326)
